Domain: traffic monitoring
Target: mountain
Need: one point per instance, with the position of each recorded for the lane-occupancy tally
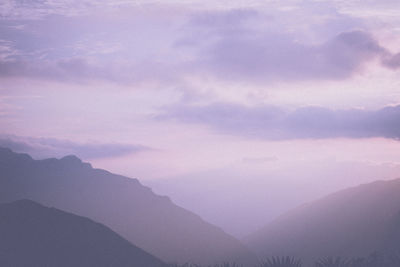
(34, 235)
(244, 189)
(352, 222)
(147, 220)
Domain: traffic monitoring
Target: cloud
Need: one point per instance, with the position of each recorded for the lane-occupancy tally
(272, 123)
(37, 9)
(50, 147)
(235, 57)
(97, 47)
(81, 70)
(259, 160)
(233, 46)
(74, 69)
(392, 61)
(158, 46)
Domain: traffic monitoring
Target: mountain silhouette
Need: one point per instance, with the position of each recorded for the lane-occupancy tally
(34, 235)
(350, 223)
(145, 219)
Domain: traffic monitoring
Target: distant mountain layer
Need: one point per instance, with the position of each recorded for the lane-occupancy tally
(149, 221)
(352, 222)
(34, 235)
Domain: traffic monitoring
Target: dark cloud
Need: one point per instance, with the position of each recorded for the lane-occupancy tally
(272, 123)
(275, 56)
(49, 147)
(392, 61)
(247, 45)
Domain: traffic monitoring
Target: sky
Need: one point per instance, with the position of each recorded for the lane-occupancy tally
(218, 98)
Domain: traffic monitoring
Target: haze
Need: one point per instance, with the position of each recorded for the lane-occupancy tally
(221, 105)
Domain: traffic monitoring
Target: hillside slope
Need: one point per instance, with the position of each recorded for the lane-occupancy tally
(147, 220)
(352, 222)
(34, 235)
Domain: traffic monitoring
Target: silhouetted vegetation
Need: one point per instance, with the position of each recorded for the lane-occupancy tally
(281, 262)
(333, 262)
(374, 260)
(197, 265)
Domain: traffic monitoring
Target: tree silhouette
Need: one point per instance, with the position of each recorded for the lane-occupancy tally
(281, 262)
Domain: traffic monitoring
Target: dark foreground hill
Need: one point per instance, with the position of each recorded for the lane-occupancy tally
(147, 220)
(350, 223)
(34, 235)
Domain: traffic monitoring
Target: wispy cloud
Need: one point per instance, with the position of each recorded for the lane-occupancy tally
(37, 9)
(50, 147)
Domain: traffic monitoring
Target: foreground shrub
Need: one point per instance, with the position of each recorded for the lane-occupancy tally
(196, 265)
(373, 260)
(333, 262)
(281, 262)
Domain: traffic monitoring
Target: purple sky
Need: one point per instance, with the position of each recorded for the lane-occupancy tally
(165, 90)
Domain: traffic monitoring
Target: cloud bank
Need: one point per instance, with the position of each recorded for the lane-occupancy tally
(272, 123)
(228, 45)
(240, 45)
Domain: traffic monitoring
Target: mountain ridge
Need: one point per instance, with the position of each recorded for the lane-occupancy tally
(348, 223)
(152, 222)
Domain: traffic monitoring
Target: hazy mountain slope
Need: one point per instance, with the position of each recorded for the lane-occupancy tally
(255, 191)
(351, 222)
(147, 220)
(34, 235)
